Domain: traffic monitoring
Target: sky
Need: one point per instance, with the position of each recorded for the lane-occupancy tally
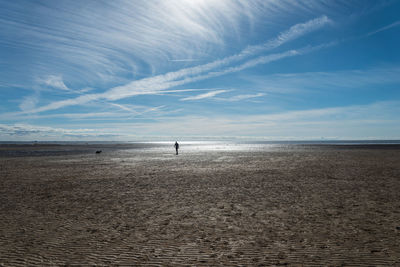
(199, 69)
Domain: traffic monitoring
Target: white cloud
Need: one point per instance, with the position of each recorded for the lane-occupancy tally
(127, 36)
(394, 24)
(55, 82)
(294, 32)
(205, 95)
(183, 60)
(160, 83)
(335, 80)
(242, 97)
(29, 102)
(102, 44)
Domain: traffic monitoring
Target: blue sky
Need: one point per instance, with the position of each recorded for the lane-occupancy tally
(187, 69)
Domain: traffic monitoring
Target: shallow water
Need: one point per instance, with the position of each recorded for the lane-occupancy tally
(26, 149)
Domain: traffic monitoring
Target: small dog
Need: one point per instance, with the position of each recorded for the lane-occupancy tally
(98, 151)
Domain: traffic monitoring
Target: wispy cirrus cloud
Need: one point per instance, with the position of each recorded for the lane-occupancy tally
(241, 97)
(29, 102)
(387, 27)
(101, 110)
(54, 82)
(333, 80)
(160, 83)
(294, 32)
(157, 84)
(183, 60)
(205, 95)
(126, 37)
(140, 37)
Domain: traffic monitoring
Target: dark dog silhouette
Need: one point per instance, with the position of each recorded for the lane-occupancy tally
(98, 151)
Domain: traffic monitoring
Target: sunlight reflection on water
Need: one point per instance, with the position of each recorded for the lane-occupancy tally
(166, 148)
(209, 146)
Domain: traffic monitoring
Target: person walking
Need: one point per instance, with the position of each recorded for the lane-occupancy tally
(176, 147)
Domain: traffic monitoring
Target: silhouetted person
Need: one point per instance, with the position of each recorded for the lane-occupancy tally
(176, 147)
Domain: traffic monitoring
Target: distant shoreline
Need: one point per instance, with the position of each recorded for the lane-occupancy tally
(278, 142)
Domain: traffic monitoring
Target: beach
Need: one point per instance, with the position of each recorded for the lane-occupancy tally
(215, 205)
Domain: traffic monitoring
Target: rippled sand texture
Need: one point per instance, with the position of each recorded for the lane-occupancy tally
(338, 207)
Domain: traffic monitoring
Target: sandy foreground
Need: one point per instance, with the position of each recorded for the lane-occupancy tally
(331, 206)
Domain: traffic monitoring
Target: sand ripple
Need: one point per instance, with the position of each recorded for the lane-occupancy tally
(296, 208)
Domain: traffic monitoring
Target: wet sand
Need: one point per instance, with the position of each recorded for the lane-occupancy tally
(303, 206)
